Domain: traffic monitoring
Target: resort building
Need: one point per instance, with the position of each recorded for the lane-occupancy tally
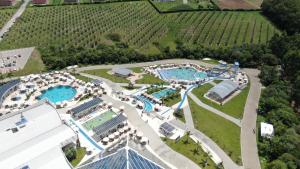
(40, 2)
(7, 89)
(86, 108)
(124, 158)
(123, 72)
(7, 2)
(71, 1)
(34, 138)
(222, 90)
(266, 130)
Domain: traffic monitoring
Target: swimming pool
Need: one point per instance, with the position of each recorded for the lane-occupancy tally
(58, 94)
(99, 120)
(163, 93)
(147, 103)
(185, 73)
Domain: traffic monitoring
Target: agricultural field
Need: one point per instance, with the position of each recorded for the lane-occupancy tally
(235, 4)
(5, 15)
(178, 5)
(138, 24)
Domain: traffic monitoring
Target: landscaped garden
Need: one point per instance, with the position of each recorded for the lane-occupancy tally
(104, 73)
(234, 107)
(192, 150)
(138, 24)
(220, 130)
(149, 79)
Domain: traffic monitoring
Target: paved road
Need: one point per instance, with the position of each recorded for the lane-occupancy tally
(130, 65)
(248, 138)
(188, 116)
(11, 22)
(157, 145)
(224, 115)
(227, 161)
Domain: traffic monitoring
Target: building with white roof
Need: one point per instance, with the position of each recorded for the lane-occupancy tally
(266, 130)
(34, 137)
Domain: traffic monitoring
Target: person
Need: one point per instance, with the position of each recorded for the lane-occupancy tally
(253, 131)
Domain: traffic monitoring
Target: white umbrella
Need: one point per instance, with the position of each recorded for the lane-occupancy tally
(126, 128)
(122, 107)
(121, 130)
(117, 134)
(144, 140)
(110, 104)
(111, 137)
(139, 134)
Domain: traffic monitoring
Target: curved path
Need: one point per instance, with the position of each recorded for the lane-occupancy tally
(248, 138)
(156, 144)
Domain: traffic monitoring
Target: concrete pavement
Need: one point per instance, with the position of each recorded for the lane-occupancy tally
(156, 144)
(11, 22)
(248, 137)
(188, 116)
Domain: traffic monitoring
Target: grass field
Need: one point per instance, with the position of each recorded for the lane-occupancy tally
(80, 153)
(220, 130)
(138, 24)
(178, 5)
(100, 119)
(192, 151)
(149, 79)
(5, 15)
(104, 73)
(234, 107)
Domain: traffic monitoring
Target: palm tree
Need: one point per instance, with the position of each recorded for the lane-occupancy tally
(188, 133)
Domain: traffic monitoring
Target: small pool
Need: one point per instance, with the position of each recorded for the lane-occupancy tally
(163, 93)
(99, 120)
(58, 94)
(185, 73)
(147, 104)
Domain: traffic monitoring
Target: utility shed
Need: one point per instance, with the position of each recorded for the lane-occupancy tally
(222, 90)
(122, 72)
(266, 130)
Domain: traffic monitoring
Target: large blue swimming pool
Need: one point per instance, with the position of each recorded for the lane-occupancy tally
(58, 94)
(185, 73)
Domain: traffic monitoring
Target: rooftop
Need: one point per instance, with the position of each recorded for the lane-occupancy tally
(224, 88)
(7, 86)
(86, 105)
(122, 71)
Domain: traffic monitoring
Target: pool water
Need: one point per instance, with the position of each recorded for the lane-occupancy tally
(147, 104)
(185, 73)
(99, 120)
(58, 94)
(163, 93)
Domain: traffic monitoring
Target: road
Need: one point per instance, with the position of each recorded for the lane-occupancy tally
(11, 22)
(156, 144)
(248, 137)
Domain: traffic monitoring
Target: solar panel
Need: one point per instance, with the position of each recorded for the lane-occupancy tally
(167, 127)
(86, 105)
(6, 87)
(105, 127)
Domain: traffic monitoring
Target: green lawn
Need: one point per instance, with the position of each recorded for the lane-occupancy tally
(33, 65)
(137, 69)
(217, 81)
(180, 115)
(80, 153)
(149, 79)
(192, 151)
(234, 107)
(104, 73)
(170, 101)
(211, 61)
(220, 130)
(83, 78)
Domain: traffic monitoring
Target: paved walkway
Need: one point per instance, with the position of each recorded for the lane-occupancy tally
(156, 144)
(11, 22)
(248, 138)
(227, 162)
(224, 115)
(188, 116)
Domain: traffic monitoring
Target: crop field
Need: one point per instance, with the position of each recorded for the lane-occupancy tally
(138, 24)
(5, 15)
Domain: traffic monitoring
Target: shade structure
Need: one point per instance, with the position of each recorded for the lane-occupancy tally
(144, 140)
(110, 104)
(121, 130)
(117, 133)
(105, 139)
(122, 108)
(139, 134)
(126, 128)
(111, 137)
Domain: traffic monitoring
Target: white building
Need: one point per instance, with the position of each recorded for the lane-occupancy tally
(266, 130)
(33, 138)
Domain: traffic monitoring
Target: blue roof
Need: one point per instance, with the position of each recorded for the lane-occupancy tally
(122, 159)
(6, 87)
(86, 105)
(122, 71)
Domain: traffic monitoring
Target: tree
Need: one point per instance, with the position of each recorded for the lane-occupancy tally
(296, 90)
(277, 164)
(70, 153)
(269, 75)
